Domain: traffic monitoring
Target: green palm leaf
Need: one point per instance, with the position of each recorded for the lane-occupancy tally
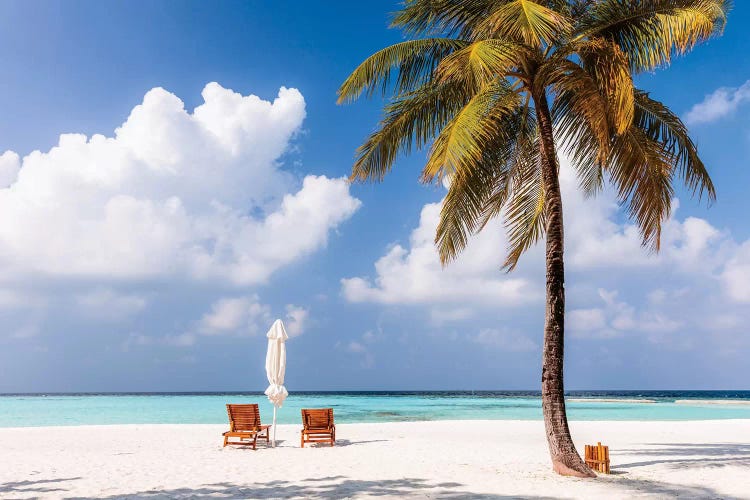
(666, 128)
(452, 17)
(525, 21)
(642, 171)
(414, 61)
(462, 142)
(413, 119)
(651, 32)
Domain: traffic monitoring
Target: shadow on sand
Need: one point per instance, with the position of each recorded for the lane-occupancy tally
(343, 487)
(690, 455)
(38, 486)
(325, 487)
(682, 456)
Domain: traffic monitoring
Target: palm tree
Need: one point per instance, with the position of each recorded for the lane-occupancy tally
(495, 87)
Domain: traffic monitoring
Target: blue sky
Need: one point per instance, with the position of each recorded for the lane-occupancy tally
(156, 257)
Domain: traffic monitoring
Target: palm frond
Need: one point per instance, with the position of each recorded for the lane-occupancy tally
(526, 21)
(580, 111)
(412, 120)
(414, 60)
(463, 92)
(463, 205)
(479, 193)
(525, 156)
(525, 219)
(666, 128)
(461, 143)
(642, 171)
(480, 62)
(608, 64)
(651, 32)
(444, 17)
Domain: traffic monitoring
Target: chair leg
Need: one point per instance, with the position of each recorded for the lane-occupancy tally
(302, 441)
(225, 441)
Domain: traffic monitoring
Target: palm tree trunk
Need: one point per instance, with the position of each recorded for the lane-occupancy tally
(565, 458)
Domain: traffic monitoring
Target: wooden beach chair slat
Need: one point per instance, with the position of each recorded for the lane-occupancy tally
(318, 426)
(245, 425)
(597, 457)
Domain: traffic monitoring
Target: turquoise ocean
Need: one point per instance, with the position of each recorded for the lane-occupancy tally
(31, 410)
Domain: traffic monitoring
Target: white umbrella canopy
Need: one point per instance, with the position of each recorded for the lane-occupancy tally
(276, 368)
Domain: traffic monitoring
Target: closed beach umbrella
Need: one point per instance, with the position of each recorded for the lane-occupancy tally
(275, 368)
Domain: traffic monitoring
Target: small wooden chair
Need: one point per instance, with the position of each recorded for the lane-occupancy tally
(597, 457)
(318, 426)
(244, 424)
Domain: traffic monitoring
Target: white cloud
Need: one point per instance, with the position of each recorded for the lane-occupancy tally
(106, 303)
(442, 315)
(235, 315)
(10, 164)
(361, 348)
(586, 320)
(414, 275)
(180, 340)
(17, 299)
(355, 346)
(617, 317)
(25, 332)
(504, 339)
(736, 275)
(296, 320)
(722, 102)
(172, 194)
(140, 340)
(696, 285)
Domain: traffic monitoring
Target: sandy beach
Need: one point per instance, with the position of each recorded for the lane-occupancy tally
(443, 460)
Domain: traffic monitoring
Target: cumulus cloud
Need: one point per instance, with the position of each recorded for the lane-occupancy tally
(247, 315)
(616, 317)
(736, 275)
(10, 164)
(198, 196)
(108, 304)
(504, 339)
(414, 275)
(243, 315)
(361, 348)
(296, 320)
(615, 286)
(722, 102)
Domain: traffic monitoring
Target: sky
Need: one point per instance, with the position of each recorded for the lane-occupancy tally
(173, 180)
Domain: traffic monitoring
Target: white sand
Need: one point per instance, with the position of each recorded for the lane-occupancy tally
(439, 460)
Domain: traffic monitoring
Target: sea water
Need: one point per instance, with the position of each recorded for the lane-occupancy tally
(22, 410)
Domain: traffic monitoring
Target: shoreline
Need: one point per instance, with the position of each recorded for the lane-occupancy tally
(384, 423)
(448, 459)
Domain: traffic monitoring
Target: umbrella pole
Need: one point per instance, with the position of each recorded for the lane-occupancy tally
(273, 442)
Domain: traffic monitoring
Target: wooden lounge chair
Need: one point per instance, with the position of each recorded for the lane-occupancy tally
(244, 424)
(597, 457)
(318, 427)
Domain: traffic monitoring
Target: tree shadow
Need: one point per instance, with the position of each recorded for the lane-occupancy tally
(343, 487)
(326, 487)
(346, 442)
(638, 487)
(690, 455)
(38, 486)
(279, 442)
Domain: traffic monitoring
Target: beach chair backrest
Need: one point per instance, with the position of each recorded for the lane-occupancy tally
(244, 417)
(318, 418)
